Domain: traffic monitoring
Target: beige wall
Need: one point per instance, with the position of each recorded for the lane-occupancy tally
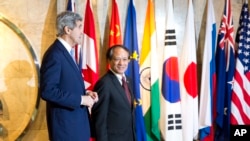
(36, 19)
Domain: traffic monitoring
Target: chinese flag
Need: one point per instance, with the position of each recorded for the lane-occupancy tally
(115, 36)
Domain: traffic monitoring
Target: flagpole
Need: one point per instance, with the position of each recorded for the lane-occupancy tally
(248, 3)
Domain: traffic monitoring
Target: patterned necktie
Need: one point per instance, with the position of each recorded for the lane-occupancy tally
(125, 86)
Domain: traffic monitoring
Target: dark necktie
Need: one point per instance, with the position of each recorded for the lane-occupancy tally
(125, 86)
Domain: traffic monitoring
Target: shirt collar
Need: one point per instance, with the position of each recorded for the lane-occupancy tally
(119, 77)
(65, 44)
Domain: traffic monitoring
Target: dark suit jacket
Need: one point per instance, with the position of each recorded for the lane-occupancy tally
(61, 87)
(112, 116)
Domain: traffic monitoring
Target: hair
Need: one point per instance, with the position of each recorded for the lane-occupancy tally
(66, 18)
(110, 51)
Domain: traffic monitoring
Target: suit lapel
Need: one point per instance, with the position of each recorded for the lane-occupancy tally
(119, 87)
(73, 64)
(70, 60)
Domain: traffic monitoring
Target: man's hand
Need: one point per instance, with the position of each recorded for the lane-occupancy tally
(90, 98)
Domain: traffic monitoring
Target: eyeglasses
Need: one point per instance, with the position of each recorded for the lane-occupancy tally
(120, 59)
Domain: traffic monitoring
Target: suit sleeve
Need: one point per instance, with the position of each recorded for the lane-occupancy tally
(100, 111)
(54, 87)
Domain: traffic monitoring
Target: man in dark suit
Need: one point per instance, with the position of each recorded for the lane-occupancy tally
(113, 115)
(62, 85)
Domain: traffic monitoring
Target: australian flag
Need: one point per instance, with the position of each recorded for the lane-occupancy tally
(225, 65)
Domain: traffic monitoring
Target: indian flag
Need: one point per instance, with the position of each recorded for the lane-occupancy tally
(150, 76)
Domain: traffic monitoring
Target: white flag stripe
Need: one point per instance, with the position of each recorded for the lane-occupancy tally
(240, 95)
(154, 59)
(145, 94)
(236, 113)
(240, 70)
(88, 51)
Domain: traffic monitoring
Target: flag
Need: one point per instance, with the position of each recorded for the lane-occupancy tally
(225, 65)
(171, 101)
(188, 79)
(88, 59)
(242, 21)
(131, 42)
(71, 7)
(115, 35)
(149, 76)
(208, 77)
(240, 111)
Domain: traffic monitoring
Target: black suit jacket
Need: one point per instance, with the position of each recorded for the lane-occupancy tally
(112, 116)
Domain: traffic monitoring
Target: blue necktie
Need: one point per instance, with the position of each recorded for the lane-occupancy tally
(72, 53)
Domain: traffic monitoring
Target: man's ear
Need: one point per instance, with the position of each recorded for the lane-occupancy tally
(66, 29)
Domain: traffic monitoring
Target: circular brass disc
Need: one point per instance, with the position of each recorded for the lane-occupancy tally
(18, 81)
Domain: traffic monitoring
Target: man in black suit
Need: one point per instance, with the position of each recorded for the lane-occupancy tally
(113, 115)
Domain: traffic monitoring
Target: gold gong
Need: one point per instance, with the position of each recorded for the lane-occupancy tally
(18, 82)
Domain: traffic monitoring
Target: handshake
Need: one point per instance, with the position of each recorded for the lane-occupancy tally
(89, 99)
